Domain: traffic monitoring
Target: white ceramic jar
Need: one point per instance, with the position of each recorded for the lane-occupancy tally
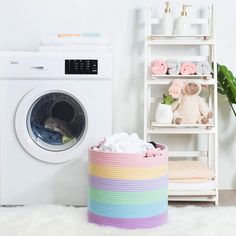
(167, 22)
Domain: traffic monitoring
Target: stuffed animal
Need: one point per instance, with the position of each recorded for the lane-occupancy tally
(190, 108)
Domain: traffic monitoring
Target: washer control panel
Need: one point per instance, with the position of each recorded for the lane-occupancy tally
(81, 66)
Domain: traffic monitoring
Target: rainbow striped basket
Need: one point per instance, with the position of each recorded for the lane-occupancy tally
(128, 190)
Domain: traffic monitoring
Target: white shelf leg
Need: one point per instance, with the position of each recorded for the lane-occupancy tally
(147, 52)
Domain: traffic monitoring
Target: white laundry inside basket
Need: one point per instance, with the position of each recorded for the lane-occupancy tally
(125, 143)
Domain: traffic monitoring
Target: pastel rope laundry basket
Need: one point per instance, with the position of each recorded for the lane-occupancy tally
(128, 190)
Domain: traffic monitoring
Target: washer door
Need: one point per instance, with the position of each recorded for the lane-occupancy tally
(52, 125)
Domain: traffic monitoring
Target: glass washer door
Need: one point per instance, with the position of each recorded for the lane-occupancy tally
(44, 151)
(56, 121)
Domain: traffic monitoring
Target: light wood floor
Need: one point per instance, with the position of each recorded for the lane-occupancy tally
(226, 198)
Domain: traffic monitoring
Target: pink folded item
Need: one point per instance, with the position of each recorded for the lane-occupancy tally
(159, 67)
(188, 68)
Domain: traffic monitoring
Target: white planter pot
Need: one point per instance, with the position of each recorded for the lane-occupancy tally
(164, 114)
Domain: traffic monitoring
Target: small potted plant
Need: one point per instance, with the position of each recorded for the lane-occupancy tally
(164, 112)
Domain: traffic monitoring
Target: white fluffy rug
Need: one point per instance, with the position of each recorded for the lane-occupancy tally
(70, 221)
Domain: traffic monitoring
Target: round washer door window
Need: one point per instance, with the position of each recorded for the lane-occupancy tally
(56, 121)
(55, 125)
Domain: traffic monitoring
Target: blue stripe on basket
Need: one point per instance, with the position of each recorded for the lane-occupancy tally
(130, 211)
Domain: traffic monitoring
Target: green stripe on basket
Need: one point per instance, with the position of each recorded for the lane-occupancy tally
(146, 197)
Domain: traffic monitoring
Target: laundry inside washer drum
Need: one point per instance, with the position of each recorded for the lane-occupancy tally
(56, 119)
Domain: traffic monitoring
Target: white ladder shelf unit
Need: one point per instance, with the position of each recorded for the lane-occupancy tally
(152, 129)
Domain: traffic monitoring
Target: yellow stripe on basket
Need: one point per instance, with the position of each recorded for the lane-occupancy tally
(128, 173)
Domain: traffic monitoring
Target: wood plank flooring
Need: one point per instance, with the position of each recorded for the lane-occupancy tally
(227, 198)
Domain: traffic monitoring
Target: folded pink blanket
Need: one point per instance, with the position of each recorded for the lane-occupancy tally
(159, 67)
(188, 68)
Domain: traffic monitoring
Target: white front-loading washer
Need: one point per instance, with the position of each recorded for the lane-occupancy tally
(39, 164)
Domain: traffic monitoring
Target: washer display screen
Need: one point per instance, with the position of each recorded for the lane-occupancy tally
(86, 67)
(56, 121)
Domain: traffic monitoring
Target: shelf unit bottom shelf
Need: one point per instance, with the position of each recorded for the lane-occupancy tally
(191, 193)
(192, 181)
(192, 198)
(204, 195)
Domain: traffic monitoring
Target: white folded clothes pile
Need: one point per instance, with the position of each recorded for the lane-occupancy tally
(86, 42)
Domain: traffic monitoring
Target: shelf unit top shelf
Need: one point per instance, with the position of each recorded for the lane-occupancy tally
(183, 42)
(179, 37)
(194, 21)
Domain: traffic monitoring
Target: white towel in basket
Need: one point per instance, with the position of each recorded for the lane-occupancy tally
(125, 143)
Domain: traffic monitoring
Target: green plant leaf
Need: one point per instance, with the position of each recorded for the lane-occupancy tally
(226, 83)
(167, 99)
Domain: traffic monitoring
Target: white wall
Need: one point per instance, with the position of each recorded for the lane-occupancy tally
(23, 22)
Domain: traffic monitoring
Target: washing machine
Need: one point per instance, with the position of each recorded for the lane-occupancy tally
(53, 107)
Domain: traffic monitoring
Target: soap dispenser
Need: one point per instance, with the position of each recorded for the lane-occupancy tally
(183, 25)
(167, 21)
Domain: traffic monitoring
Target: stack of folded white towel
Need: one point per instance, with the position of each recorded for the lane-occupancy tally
(83, 42)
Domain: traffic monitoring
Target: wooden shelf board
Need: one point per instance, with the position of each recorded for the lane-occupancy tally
(183, 42)
(171, 130)
(191, 192)
(192, 198)
(194, 21)
(181, 154)
(203, 36)
(159, 125)
(183, 76)
(168, 80)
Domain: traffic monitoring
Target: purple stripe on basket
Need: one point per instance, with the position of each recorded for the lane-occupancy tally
(129, 223)
(118, 185)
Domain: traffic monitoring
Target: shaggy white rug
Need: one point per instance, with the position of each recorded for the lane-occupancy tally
(70, 221)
